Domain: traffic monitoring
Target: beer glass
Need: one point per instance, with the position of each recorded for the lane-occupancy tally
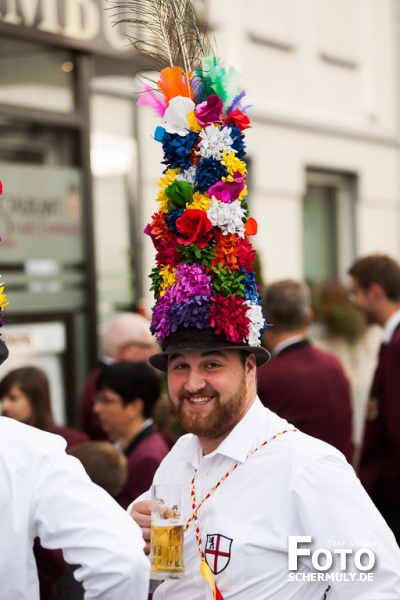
(166, 542)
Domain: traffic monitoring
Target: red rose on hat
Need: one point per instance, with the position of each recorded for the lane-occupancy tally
(195, 228)
(238, 119)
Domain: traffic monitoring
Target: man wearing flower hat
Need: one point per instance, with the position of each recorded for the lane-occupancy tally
(252, 481)
(255, 487)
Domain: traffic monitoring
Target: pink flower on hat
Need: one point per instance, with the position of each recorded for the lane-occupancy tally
(209, 111)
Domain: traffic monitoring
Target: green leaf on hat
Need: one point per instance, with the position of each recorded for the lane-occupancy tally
(179, 193)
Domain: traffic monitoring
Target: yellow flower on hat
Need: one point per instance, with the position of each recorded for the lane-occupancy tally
(200, 202)
(169, 277)
(3, 298)
(194, 125)
(165, 181)
(233, 165)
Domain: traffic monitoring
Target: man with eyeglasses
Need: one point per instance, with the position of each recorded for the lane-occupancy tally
(126, 337)
(124, 401)
(375, 290)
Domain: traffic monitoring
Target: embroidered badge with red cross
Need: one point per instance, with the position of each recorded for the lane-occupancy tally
(218, 552)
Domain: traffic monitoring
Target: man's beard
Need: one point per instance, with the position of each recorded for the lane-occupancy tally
(222, 416)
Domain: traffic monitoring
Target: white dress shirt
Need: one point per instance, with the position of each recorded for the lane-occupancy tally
(46, 493)
(390, 327)
(294, 485)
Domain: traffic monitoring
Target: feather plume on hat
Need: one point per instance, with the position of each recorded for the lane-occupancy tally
(203, 282)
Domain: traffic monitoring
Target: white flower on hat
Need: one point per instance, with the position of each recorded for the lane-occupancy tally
(176, 115)
(256, 323)
(228, 217)
(188, 176)
(214, 140)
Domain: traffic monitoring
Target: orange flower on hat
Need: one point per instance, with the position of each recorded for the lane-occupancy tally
(226, 251)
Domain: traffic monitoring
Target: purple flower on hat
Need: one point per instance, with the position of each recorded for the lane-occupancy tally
(192, 281)
(183, 302)
(194, 313)
(159, 323)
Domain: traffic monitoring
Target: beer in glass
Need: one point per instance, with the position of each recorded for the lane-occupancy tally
(166, 542)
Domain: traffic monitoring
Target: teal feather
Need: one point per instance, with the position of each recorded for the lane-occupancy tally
(216, 80)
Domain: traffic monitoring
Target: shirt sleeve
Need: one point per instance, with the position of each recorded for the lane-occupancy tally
(329, 504)
(72, 513)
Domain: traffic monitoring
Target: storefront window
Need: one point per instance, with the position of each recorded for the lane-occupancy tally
(41, 215)
(36, 76)
(328, 226)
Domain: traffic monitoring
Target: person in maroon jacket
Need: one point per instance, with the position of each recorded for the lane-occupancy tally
(303, 384)
(375, 289)
(124, 401)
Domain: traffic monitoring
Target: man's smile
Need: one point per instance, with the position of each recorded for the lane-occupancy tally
(199, 399)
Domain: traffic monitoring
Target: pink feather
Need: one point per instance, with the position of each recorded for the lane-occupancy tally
(149, 98)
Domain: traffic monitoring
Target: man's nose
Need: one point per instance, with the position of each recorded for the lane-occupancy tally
(195, 381)
(4, 404)
(96, 408)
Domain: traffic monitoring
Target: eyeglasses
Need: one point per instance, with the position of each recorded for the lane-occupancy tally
(104, 401)
(351, 295)
(352, 292)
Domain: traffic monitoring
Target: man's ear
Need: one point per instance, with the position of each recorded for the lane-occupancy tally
(376, 291)
(135, 408)
(309, 317)
(251, 363)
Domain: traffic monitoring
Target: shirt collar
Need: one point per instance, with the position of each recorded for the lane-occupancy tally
(285, 343)
(118, 445)
(390, 327)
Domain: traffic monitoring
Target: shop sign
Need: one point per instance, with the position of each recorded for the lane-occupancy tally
(82, 24)
(41, 217)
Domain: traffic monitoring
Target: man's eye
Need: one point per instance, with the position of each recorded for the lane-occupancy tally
(179, 366)
(212, 365)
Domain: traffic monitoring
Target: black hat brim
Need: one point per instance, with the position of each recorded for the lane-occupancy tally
(202, 341)
(3, 352)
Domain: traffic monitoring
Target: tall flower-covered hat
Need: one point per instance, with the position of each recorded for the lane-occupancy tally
(206, 295)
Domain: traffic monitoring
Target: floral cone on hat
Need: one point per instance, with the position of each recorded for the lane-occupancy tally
(203, 279)
(203, 276)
